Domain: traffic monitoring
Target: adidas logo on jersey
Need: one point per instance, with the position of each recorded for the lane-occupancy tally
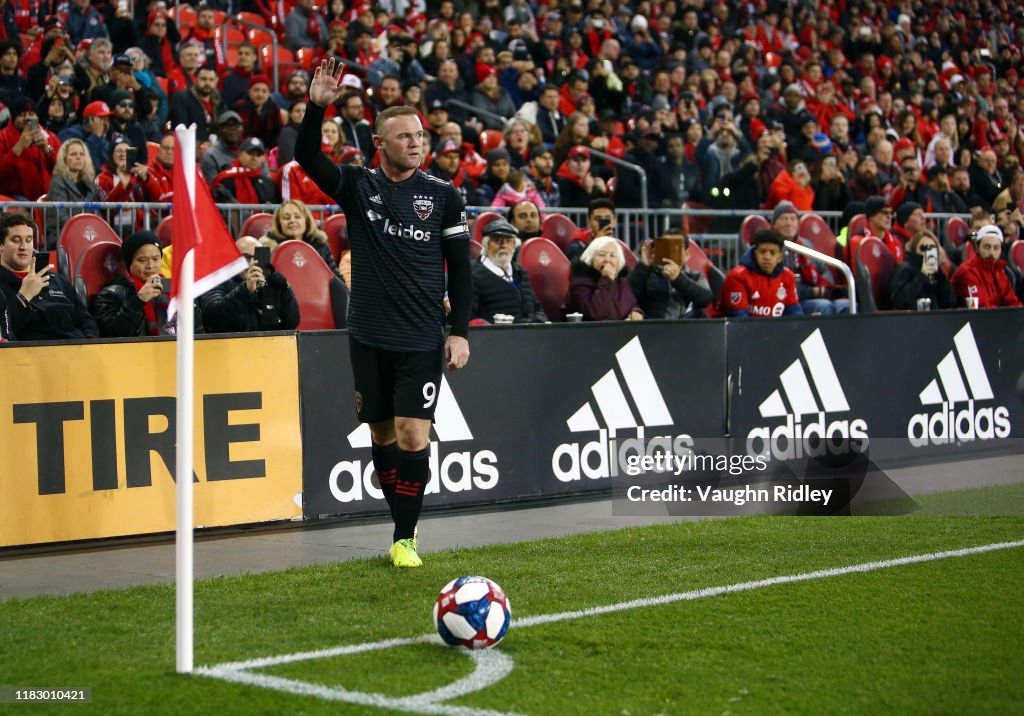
(406, 232)
(947, 424)
(796, 439)
(457, 471)
(606, 456)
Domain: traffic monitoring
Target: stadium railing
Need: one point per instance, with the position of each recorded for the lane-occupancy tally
(724, 248)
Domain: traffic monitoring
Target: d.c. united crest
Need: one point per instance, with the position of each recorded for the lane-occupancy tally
(423, 206)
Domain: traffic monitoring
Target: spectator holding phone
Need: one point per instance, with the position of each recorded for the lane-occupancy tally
(28, 153)
(667, 289)
(42, 305)
(136, 304)
(257, 299)
(125, 179)
(919, 276)
(601, 222)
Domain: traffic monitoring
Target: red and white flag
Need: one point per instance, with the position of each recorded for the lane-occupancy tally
(198, 226)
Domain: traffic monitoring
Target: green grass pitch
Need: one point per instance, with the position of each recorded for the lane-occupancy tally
(941, 636)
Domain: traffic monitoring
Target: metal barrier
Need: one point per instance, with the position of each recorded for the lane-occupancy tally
(635, 225)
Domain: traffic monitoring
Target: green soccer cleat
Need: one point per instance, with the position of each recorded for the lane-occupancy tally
(403, 554)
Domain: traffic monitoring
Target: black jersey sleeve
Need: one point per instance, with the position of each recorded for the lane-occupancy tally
(326, 174)
(455, 237)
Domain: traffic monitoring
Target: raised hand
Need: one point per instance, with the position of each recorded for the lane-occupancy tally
(325, 86)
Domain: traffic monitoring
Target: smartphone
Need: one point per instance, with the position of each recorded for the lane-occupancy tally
(603, 221)
(165, 284)
(59, 42)
(42, 259)
(132, 153)
(830, 161)
(262, 256)
(32, 123)
(668, 247)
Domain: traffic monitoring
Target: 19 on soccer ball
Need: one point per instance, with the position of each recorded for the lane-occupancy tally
(472, 612)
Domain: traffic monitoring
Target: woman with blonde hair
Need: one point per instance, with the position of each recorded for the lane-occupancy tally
(599, 288)
(73, 180)
(293, 221)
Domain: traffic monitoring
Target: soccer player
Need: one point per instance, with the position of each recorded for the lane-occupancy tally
(403, 226)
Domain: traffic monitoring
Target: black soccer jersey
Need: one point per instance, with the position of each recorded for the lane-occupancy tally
(397, 233)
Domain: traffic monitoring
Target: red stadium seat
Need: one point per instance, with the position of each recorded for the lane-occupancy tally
(164, 232)
(628, 254)
(559, 229)
(322, 296)
(253, 18)
(476, 249)
(257, 225)
(813, 228)
(481, 221)
(957, 230)
(970, 251)
(336, 228)
(875, 268)
(100, 264)
(260, 37)
(697, 260)
(229, 38)
(549, 273)
(751, 225)
(857, 225)
(695, 224)
(81, 232)
(304, 56)
(491, 139)
(268, 58)
(1017, 254)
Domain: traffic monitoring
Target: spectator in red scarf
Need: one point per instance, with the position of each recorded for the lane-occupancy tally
(304, 27)
(261, 117)
(204, 33)
(576, 184)
(159, 41)
(247, 180)
(126, 179)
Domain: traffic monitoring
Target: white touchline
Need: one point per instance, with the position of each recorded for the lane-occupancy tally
(492, 665)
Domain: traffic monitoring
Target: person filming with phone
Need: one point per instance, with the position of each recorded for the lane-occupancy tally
(661, 283)
(257, 299)
(42, 304)
(919, 276)
(125, 179)
(28, 153)
(136, 304)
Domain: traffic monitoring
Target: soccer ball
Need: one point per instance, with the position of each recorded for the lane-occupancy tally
(472, 612)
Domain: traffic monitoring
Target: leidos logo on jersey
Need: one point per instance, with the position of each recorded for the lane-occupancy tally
(406, 232)
(604, 456)
(352, 480)
(799, 437)
(947, 424)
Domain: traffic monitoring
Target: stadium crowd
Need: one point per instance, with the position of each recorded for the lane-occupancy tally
(891, 110)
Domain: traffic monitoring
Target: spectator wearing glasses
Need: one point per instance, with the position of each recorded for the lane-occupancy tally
(984, 276)
(500, 284)
(919, 276)
(879, 224)
(599, 288)
(123, 121)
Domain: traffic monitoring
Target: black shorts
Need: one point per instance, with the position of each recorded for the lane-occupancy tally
(391, 383)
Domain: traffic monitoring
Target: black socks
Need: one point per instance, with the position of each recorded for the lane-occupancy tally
(412, 479)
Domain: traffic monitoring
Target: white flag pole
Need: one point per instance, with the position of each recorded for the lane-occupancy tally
(184, 425)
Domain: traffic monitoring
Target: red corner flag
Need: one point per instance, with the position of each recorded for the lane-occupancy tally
(198, 226)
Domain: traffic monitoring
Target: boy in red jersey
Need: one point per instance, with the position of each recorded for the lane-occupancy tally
(761, 286)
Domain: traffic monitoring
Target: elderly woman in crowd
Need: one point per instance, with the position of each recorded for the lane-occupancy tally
(599, 288)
